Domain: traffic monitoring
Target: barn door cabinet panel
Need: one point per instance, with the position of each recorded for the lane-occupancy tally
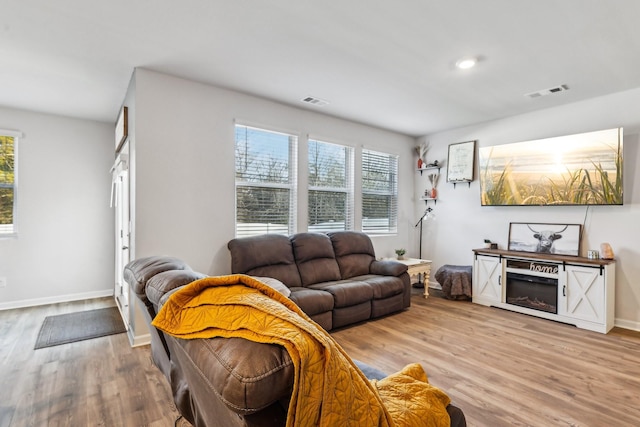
(569, 289)
(487, 278)
(587, 293)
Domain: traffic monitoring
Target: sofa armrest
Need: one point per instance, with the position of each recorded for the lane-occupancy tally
(246, 376)
(387, 268)
(138, 272)
(162, 283)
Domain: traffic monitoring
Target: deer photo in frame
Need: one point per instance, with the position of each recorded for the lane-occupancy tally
(560, 239)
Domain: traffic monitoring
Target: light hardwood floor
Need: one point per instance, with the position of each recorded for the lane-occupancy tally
(97, 382)
(509, 369)
(501, 368)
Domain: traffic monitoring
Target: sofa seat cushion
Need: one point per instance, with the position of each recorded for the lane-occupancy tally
(312, 301)
(247, 376)
(346, 292)
(382, 286)
(315, 258)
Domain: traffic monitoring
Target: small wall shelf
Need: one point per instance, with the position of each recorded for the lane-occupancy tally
(426, 168)
(429, 199)
(435, 167)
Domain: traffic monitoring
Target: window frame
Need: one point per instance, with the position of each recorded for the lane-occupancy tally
(291, 185)
(12, 229)
(391, 192)
(347, 189)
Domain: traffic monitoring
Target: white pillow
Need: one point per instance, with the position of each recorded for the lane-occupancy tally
(275, 284)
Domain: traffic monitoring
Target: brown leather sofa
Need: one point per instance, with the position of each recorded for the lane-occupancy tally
(334, 278)
(221, 382)
(235, 382)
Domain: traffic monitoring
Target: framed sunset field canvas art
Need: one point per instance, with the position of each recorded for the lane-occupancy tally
(581, 169)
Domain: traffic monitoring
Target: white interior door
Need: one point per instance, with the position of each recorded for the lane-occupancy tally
(120, 201)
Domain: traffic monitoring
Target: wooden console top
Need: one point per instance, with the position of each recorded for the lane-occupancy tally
(547, 257)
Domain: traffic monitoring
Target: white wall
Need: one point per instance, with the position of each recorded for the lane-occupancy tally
(184, 165)
(184, 196)
(461, 223)
(64, 248)
(184, 201)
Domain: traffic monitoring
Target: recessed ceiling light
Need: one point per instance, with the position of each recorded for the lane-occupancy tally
(466, 63)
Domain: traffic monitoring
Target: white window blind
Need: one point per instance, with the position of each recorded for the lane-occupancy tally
(379, 192)
(266, 171)
(330, 187)
(8, 183)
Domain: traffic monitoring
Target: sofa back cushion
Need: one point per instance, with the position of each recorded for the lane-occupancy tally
(354, 252)
(269, 255)
(315, 258)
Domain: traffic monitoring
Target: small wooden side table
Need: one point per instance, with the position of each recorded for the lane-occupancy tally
(416, 268)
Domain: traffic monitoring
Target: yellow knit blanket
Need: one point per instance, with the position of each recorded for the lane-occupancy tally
(329, 390)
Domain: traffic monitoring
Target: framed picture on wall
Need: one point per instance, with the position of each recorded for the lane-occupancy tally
(122, 128)
(578, 169)
(461, 162)
(560, 239)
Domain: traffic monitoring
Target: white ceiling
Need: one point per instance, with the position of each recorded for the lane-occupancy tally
(385, 63)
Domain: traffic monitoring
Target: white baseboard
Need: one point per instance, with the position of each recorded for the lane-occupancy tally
(627, 324)
(54, 300)
(140, 340)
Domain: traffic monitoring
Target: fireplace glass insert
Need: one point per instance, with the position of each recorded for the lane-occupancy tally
(535, 292)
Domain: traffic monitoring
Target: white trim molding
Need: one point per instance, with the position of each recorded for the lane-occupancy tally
(56, 299)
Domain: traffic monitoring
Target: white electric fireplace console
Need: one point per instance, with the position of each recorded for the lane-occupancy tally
(574, 290)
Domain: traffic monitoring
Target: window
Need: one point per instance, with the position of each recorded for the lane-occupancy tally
(266, 171)
(379, 192)
(8, 183)
(330, 187)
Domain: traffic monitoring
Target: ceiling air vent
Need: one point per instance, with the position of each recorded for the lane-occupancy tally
(545, 92)
(315, 101)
